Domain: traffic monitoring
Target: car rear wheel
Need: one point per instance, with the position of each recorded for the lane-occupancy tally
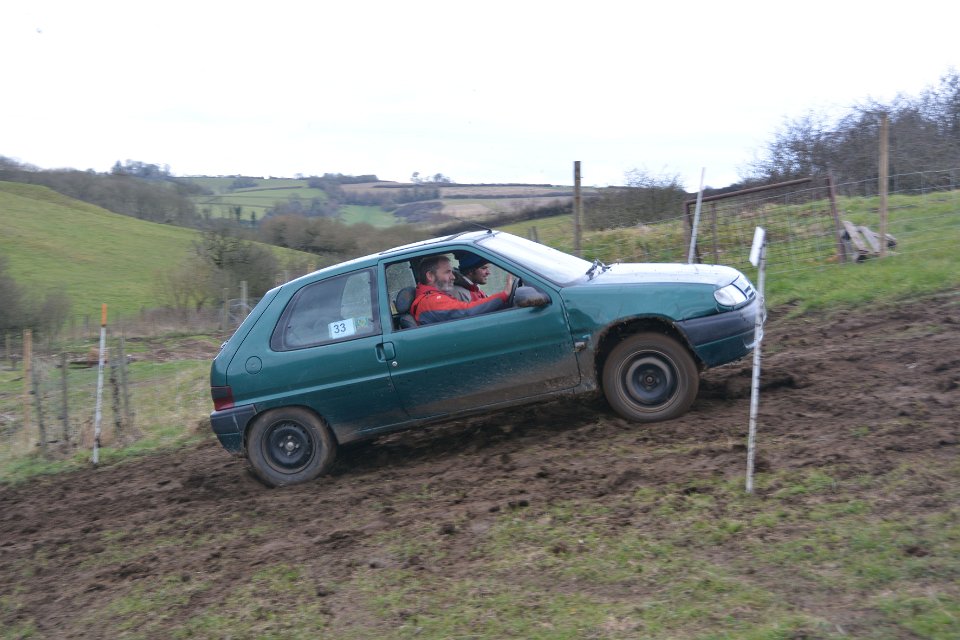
(650, 377)
(289, 446)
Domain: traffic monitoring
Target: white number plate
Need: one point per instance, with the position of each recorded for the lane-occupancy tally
(342, 328)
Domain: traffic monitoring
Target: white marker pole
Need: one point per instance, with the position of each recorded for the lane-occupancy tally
(696, 220)
(758, 258)
(98, 414)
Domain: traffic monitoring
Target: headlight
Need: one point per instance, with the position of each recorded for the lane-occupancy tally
(730, 296)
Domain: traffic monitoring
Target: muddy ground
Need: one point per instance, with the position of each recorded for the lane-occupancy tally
(862, 393)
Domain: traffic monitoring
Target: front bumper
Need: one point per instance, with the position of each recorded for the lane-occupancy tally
(724, 337)
(229, 426)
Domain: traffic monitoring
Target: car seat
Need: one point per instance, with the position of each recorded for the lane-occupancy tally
(403, 301)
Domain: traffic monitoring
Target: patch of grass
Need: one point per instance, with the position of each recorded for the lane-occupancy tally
(426, 608)
(149, 605)
(814, 482)
(417, 546)
(853, 553)
(374, 216)
(17, 467)
(278, 602)
(931, 615)
(555, 231)
(689, 599)
(122, 546)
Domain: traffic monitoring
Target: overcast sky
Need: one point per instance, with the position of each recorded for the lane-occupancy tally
(486, 91)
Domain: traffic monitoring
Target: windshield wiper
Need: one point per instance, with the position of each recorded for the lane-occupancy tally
(594, 266)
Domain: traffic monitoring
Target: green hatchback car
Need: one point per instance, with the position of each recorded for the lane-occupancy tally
(335, 356)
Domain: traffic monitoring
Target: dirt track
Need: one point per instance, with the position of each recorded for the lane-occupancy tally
(864, 394)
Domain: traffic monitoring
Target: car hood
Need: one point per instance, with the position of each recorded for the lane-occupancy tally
(635, 273)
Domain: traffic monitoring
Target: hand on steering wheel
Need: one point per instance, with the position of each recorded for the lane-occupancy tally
(512, 284)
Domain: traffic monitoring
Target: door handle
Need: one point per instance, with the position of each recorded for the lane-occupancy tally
(385, 351)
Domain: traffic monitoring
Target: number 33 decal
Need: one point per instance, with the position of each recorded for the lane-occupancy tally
(342, 328)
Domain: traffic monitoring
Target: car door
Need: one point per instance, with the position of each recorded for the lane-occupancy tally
(485, 360)
(326, 352)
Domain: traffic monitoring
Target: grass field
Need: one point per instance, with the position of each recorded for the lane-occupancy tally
(375, 216)
(55, 243)
(853, 533)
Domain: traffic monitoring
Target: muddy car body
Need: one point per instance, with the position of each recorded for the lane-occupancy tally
(331, 357)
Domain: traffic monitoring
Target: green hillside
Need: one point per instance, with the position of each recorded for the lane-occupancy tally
(52, 242)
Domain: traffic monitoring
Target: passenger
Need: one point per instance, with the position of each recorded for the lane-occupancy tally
(434, 300)
(473, 271)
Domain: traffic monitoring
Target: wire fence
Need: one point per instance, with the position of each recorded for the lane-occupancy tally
(155, 389)
(805, 224)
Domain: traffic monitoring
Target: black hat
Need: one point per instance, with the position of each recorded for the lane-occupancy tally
(470, 261)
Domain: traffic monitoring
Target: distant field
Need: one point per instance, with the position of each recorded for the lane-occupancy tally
(375, 216)
(555, 231)
(52, 242)
(482, 208)
(466, 202)
(506, 191)
(221, 184)
(257, 200)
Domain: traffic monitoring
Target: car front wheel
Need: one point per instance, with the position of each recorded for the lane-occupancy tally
(289, 446)
(650, 377)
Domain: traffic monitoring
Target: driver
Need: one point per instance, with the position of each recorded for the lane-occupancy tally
(434, 299)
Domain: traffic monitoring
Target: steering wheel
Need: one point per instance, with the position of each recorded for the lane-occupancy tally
(513, 292)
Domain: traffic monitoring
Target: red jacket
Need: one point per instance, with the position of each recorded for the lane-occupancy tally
(467, 291)
(432, 305)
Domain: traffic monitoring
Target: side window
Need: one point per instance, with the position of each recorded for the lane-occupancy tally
(496, 281)
(332, 310)
(400, 276)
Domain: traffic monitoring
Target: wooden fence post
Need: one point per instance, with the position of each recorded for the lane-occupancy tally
(27, 376)
(38, 403)
(125, 384)
(64, 391)
(841, 248)
(577, 210)
(716, 241)
(884, 178)
(97, 413)
(225, 323)
(115, 388)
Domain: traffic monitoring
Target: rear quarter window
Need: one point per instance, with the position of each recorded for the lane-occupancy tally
(333, 310)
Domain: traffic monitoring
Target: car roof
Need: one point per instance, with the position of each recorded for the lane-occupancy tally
(468, 237)
(464, 236)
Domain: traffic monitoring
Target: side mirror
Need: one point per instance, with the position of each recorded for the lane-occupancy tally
(530, 297)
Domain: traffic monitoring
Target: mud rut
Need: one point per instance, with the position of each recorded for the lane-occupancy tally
(890, 370)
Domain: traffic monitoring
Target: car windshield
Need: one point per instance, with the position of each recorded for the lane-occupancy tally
(556, 266)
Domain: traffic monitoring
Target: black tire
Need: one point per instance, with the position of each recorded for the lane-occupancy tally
(289, 446)
(650, 377)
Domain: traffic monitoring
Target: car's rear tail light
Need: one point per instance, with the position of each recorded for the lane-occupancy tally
(222, 398)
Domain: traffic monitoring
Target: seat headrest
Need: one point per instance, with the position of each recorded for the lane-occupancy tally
(405, 298)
